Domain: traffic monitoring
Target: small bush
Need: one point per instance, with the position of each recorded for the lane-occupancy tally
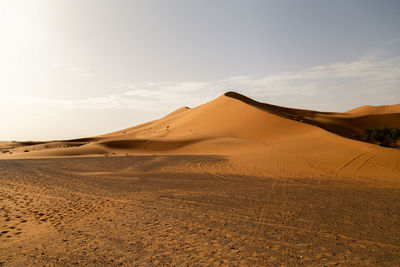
(385, 137)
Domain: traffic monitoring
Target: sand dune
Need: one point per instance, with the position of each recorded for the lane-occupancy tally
(368, 110)
(252, 134)
(349, 124)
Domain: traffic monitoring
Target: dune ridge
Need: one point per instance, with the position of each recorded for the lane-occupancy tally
(349, 124)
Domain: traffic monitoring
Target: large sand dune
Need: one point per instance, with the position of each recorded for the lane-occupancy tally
(258, 138)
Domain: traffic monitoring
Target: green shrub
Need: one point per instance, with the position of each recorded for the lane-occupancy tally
(385, 137)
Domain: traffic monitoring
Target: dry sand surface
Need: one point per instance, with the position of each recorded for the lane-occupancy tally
(233, 181)
(129, 210)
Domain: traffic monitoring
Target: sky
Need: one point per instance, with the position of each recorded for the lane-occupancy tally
(73, 68)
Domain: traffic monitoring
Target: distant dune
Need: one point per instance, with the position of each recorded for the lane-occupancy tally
(374, 110)
(258, 139)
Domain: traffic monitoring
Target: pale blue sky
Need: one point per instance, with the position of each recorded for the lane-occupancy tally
(74, 68)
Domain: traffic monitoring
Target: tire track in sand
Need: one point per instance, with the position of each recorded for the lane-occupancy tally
(349, 162)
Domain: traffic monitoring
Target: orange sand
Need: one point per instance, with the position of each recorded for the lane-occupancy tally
(259, 139)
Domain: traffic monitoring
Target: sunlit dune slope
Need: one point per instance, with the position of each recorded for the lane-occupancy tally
(222, 117)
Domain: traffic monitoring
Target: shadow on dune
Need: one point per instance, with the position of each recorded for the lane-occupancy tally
(149, 144)
(344, 124)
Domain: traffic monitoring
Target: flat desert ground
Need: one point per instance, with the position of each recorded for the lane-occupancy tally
(232, 182)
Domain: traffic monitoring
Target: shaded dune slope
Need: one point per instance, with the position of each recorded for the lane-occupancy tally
(349, 124)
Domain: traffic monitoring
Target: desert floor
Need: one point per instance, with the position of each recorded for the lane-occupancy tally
(128, 211)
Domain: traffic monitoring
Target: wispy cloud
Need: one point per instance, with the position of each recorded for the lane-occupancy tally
(338, 86)
(71, 69)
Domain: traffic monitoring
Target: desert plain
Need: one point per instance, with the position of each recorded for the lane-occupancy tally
(232, 182)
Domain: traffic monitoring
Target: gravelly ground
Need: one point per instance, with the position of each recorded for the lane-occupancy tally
(128, 211)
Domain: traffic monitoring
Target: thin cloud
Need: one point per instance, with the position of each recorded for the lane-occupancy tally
(338, 86)
(71, 69)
